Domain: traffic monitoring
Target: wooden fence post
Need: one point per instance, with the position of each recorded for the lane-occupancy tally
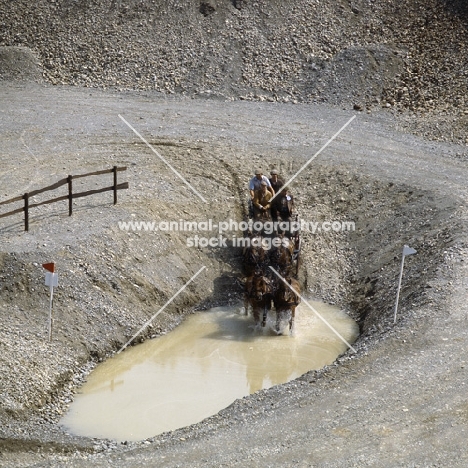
(115, 187)
(26, 211)
(70, 195)
(114, 169)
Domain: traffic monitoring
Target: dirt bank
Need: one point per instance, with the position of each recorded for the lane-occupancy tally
(396, 188)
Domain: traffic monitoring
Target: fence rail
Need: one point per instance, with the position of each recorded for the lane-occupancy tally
(69, 180)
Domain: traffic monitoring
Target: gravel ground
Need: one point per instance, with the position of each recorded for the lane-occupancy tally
(219, 88)
(398, 189)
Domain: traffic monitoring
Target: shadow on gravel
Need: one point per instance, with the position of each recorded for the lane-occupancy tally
(22, 445)
(459, 8)
(37, 219)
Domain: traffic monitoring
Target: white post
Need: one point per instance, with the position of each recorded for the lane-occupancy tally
(399, 287)
(50, 311)
(51, 280)
(406, 251)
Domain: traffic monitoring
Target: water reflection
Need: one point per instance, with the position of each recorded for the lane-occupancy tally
(201, 367)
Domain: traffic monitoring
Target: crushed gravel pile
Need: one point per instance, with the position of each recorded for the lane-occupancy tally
(404, 56)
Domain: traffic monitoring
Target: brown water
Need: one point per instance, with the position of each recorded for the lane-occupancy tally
(201, 367)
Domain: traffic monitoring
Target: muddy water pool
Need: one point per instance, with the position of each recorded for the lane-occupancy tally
(201, 367)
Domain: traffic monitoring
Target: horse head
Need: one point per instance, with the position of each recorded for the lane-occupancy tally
(254, 254)
(289, 294)
(261, 286)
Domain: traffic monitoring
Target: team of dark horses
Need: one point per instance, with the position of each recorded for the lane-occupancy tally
(271, 265)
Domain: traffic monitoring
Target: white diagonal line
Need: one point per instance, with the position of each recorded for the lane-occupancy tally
(313, 310)
(164, 161)
(161, 309)
(37, 161)
(316, 154)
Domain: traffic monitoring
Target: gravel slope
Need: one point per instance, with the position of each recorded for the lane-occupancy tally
(405, 56)
(397, 187)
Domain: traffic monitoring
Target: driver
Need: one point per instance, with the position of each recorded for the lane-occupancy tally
(255, 183)
(261, 202)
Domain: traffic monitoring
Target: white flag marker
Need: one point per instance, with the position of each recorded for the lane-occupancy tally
(51, 280)
(406, 251)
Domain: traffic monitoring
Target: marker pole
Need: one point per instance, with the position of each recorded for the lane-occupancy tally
(406, 251)
(399, 287)
(50, 312)
(51, 280)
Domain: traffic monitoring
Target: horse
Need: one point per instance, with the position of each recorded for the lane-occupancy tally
(255, 255)
(282, 256)
(286, 299)
(259, 290)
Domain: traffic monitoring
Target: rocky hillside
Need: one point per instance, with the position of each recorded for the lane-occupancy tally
(406, 55)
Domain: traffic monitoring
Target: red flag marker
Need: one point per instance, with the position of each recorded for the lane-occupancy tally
(49, 267)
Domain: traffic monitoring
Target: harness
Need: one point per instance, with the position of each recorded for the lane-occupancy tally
(252, 291)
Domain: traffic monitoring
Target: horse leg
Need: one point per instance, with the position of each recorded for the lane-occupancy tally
(265, 311)
(291, 321)
(256, 316)
(246, 305)
(278, 321)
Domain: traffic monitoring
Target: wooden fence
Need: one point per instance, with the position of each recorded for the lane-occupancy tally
(69, 180)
